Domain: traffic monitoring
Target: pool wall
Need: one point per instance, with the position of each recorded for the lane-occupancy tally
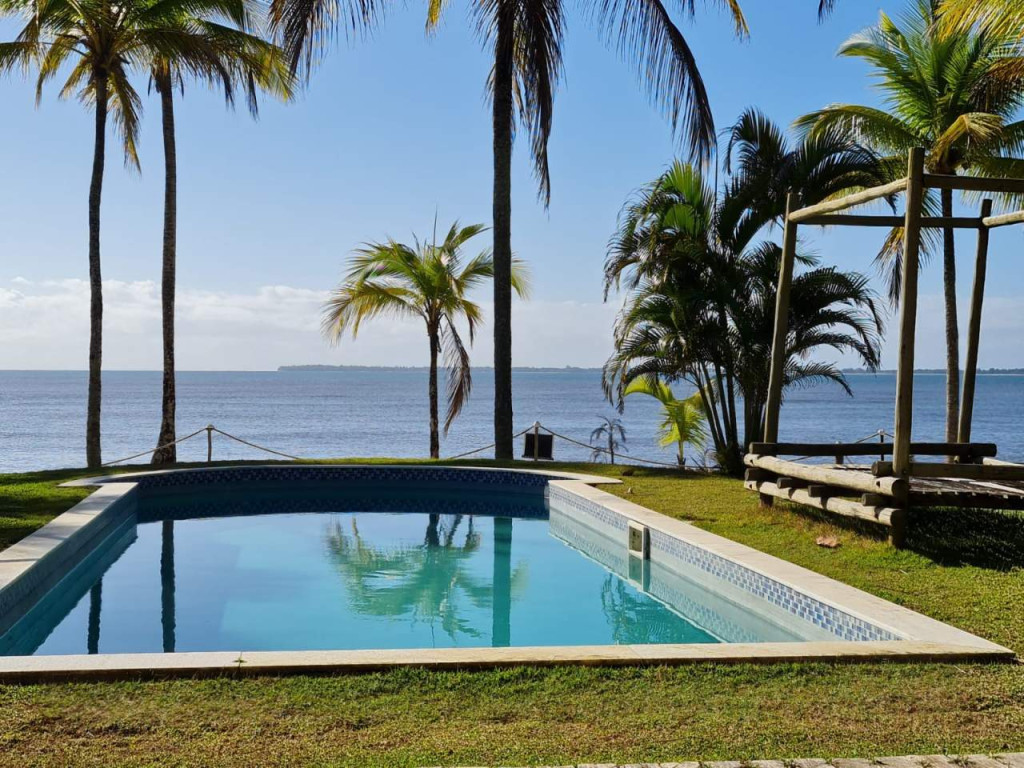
(852, 624)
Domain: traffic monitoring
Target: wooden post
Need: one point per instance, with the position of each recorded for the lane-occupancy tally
(536, 440)
(209, 443)
(908, 316)
(771, 412)
(974, 330)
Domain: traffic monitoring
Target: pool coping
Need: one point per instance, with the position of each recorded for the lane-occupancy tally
(923, 638)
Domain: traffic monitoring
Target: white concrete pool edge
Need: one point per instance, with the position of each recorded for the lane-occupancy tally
(924, 638)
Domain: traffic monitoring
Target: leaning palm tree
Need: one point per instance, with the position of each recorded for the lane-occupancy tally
(526, 38)
(104, 42)
(240, 61)
(955, 93)
(427, 281)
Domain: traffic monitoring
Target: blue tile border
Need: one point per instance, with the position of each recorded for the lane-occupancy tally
(334, 474)
(839, 623)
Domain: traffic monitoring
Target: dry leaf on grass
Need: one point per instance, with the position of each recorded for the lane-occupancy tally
(829, 542)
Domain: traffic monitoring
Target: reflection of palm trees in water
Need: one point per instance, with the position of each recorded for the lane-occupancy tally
(636, 619)
(430, 581)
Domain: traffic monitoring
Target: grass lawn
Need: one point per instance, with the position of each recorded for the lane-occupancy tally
(963, 568)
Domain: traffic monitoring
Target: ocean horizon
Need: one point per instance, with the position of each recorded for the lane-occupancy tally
(375, 412)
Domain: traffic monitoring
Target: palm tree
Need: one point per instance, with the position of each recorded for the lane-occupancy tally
(1004, 18)
(104, 42)
(683, 421)
(243, 61)
(951, 92)
(427, 281)
(612, 434)
(701, 308)
(527, 38)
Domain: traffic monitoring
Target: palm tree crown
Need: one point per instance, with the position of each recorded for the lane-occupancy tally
(700, 307)
(427, 281)
(98, 45)
(952, 91)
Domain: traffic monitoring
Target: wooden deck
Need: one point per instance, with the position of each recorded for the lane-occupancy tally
(875, 492)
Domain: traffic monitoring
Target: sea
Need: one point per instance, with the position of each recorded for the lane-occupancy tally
(383, 412)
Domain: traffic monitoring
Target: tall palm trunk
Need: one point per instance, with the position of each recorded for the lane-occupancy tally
(502, 214)
(952, 330)
(92, 424)
(435, 442)
(169, 453)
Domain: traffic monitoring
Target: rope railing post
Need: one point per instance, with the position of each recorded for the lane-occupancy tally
(536, 440)
(209, 443)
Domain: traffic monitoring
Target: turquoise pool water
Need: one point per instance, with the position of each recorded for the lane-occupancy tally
(225, 572)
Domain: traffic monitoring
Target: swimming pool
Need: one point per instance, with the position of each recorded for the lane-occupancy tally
(295, 562)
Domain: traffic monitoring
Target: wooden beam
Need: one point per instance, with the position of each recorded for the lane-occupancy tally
(973, 184)
(974, 330)
(849, 201)
(963, 450)
(1017, 217)
(757, 475)
(966, 471)
(908, 314)
(775, 377)
(855, 480)
(883, 515)
(850, 220)
(1001, 463)
(791, 482)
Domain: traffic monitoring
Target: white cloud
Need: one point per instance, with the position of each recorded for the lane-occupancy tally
(44, 325)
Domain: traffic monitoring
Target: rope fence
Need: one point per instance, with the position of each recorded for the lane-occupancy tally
(537, 427)
(209, 429)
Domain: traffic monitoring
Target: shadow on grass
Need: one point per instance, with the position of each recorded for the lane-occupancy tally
(985, 538)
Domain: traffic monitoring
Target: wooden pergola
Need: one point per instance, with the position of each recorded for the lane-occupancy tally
(883, 491)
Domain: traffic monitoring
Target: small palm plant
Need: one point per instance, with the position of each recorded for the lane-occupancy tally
(683, 421)
(428, 281)
(609, 438)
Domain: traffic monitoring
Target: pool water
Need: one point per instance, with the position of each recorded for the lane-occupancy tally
(344, 573)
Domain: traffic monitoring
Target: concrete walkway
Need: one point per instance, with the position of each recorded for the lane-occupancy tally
(1007, 760)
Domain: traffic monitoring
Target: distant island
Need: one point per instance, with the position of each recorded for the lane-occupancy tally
(292, 368)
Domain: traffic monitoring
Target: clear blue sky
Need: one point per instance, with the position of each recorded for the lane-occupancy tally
(388, 131)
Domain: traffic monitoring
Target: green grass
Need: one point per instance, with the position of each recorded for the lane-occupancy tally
(962, 567)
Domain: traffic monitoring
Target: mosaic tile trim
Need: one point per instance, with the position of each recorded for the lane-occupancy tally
(347, 474)
(588, 508)
(616, 560)
(701, 615)
(179, 508)
(827, 617)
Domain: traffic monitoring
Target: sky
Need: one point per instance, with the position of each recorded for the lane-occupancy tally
(390, 132)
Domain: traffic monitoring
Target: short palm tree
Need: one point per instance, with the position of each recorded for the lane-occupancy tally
(608, 439)
(953, 92)
(683, 421)
(527, 37)
(104, 42)
(241, 61)
(428, 281)
(700, 309)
